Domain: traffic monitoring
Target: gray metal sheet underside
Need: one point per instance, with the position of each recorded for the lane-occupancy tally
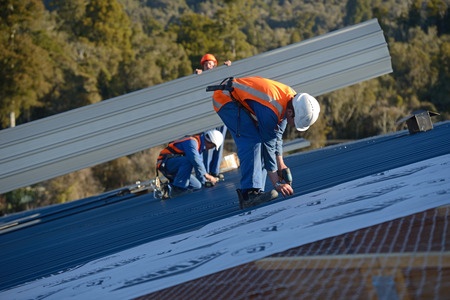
(47, 240)
(80, 138)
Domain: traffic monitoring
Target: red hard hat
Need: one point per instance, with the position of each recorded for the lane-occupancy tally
(207, 57)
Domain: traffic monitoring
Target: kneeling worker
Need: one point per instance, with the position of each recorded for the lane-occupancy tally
(256, 111)
(177, 160)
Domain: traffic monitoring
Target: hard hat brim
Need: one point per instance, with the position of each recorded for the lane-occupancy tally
(303, 129)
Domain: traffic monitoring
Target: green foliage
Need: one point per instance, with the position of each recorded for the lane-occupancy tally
(69, 16)
(106, 23)
(17, 200)
(358, 11)
(415, 66)
(440, 92)
(25, 68)
(211, 36)
(431, 13)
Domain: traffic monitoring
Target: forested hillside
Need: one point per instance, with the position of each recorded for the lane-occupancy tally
(57, 55)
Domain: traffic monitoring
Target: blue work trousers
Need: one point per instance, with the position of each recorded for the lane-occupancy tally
(181, 170)
(248, 142)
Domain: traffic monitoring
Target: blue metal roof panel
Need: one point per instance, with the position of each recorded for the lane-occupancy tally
(55, 238)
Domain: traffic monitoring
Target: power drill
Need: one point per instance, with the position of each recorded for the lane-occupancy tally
(286, 175)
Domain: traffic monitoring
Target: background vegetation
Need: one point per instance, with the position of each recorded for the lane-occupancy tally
(56, 55)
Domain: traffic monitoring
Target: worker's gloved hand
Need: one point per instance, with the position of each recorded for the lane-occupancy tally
(209, 184)
(213, 179)
(284, 188)
(285, 175)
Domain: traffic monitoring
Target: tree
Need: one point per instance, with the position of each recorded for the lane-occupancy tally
(347, 110)
(357, 11)
(432, 13)
(440, 92)
(69, 16)
(414, 70)
(232, 28)
(106, 23)
(108, 27)
(25, 68)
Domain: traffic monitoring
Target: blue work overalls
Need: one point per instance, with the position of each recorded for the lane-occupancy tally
(179, 167)
(253, 109)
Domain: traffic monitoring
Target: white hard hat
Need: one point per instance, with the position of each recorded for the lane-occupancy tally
(306, 110)
(214, 136)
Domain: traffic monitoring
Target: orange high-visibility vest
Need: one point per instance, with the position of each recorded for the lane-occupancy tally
(172, 149)
(270, 93)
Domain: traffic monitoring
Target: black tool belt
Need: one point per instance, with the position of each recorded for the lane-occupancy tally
(222, 86)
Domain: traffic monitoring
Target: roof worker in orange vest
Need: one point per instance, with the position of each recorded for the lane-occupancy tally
(256, 111)
(213, 158)
(177, 160)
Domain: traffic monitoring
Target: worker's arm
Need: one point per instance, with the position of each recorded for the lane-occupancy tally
(191, 152)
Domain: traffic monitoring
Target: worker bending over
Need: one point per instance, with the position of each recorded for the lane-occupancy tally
(256, 111)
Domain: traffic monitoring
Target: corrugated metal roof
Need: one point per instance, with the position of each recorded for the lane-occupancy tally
(97, 133)
(44, 241)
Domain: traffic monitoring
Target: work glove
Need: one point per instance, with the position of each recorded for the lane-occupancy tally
(209, 184)
(219, 177)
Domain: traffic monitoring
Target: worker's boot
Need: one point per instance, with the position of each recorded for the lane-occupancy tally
(165, 191)
(175, 191)
(254, 197)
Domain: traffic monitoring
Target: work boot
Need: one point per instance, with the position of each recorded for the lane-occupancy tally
(255, 197)
(176, 191)
(165, 191)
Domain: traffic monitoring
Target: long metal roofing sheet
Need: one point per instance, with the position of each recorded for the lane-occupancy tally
(100, 132)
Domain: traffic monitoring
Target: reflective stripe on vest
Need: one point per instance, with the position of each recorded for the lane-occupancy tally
(273, 94)
(260, 95)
